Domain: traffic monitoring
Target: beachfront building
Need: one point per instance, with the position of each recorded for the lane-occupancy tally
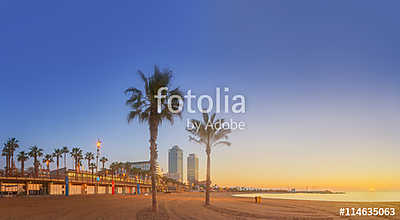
(144, 165)
(192, 169)
(71, 182)
(175, 163)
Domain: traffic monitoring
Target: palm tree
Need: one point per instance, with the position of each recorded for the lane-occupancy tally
(144, 107)
(80, 164)
(10, 147)
(6, 153)
(22, 157)
(48, 158)
(209, 133)
(127, 168)
(76, 153)
(113, 167)
(57, 154)
(35, 153)
(120, 168)
(89, 156)
(65, 151)
(103, 160)
(92, 166)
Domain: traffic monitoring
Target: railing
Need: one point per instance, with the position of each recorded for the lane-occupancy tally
(79, 177)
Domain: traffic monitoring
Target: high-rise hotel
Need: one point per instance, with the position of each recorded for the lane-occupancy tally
(175, 163)
(192, 169)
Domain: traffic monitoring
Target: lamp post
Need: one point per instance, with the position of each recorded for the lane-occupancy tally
(98, 144)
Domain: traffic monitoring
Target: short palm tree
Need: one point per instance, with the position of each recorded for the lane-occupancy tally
(144, 107)
(118, 167)
(89, 156)
(22, 157)
(48, 158)
(127, 167)
(113, 167)
(103, 160)
(92, 166)
(58, 153)
(65, 151)
(210, 134)
(76, 153)
(35, 153)
(80, 164)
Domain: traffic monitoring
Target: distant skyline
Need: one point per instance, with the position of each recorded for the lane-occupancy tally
(321, 82)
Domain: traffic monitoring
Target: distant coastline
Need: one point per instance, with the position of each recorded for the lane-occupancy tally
(293, 191)
(326, 195)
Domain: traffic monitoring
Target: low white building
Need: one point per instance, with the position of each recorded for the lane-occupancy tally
(144, 165)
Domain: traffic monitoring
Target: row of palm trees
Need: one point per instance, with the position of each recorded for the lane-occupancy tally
(117, 168)
(36, 153)
(148, 107)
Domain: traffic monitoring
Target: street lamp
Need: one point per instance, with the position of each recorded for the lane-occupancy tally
(98, 145)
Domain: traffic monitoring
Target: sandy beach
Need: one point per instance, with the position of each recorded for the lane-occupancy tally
(174, 206)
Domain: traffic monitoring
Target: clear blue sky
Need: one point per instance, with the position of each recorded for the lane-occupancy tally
(313, 72)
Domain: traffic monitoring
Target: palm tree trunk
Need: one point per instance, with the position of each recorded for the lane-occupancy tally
(36, 167)
(208, 181)
(12, 163)
(57, 164)
(22, 168)
(65, 161)
(7, 163)
(153, 160)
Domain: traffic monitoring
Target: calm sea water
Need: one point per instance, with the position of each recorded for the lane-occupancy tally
(347, 197)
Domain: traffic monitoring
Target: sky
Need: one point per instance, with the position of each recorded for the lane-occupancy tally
(321, 82)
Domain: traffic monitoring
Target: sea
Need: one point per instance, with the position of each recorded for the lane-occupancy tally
(342, 197)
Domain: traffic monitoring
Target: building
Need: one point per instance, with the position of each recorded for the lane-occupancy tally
(175, 163)
(192, 169)
(144, 165)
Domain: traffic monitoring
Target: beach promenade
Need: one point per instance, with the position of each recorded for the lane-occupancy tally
(174, 206)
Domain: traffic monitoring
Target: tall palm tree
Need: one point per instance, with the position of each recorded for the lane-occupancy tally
(22, 157)
(35, 153)
(58, 153)
(209, 133)
(103, 160)
(144, 107)
(89, 156)
(6, 153)
(65, 151)
(48, 158)
(76, 153)
(11, 146)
